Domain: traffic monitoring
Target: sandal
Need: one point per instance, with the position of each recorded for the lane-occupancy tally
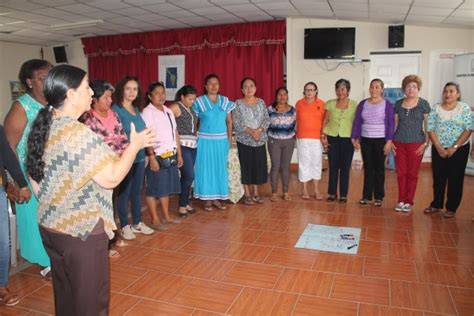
(7, 298)
(248, 201)
(218, 205)
(257, 199)
(190, 209)
(305, 196)
(286, 197)
(273, 198)
(208, 207)
(113, 254)
(430, 210)
(318, 196)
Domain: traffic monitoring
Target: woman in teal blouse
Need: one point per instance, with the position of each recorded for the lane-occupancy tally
(336, 138)
(449, 129)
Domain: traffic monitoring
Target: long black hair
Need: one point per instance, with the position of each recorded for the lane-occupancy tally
(27, 70)
(184, 91)
(59, 80)
(152, 87)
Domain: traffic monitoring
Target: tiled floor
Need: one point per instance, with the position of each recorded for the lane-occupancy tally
(242, 262)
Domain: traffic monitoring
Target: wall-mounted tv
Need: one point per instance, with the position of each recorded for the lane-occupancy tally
(329, 43)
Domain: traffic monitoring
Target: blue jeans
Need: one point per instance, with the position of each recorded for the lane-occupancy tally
(187, 174)
(131, 190)
(4, 238)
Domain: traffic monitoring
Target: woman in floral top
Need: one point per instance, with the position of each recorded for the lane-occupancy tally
(449, 129)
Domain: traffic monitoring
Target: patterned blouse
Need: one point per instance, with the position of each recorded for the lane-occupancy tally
(70, 202)
(116, 138)
(253, 116)
(282, 124)
(448, 125)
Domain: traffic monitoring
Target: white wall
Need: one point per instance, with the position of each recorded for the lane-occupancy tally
(12, 56)
(369, 37)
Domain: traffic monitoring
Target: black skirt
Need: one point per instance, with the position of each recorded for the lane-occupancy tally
(253, 164)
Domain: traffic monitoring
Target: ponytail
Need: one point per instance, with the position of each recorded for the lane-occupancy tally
(37, 139)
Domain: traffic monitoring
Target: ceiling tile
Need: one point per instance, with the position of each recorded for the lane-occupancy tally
(150, 17)
(464, 13)
(77, 8)
(101, 15)
(437, 3)
(386, 9)
(179, 14)
(228, 2)
(430, 11)
(130, 11)
(53, 3)
(424, 18)
(109, 4)
(240, 7)
(161, 8)
(193, 4)
(350, 6)
(143, 2)
(206, 11)
(52, 12)
(22, 5)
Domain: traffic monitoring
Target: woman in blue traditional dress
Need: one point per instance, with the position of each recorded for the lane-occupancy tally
(214, 138)
(17, 128)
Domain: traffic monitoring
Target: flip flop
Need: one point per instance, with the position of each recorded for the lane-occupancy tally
(273, 198)
(318, 196)
(9, 299)
(286, 197)
(257, 199)
(208, 207)
(305, 197)
(113, 254)
(218, 205)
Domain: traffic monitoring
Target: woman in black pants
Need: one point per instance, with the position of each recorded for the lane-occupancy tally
(449, 129)
(372, 132)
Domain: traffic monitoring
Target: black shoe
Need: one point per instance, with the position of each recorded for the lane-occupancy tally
(331, 198)
(343, 200)
(184, 214)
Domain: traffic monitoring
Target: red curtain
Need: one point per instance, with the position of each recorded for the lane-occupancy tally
(231, 51)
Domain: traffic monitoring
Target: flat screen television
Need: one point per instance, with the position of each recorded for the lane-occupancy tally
(329, 43)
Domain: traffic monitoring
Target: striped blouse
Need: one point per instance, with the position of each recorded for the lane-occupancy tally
(282, 124)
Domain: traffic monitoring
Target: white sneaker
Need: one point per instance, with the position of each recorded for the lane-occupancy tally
(141, 228)
(399, 207)
(406, 208)
(127, 233)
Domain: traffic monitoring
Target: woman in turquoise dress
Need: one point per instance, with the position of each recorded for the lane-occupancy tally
(214, 138)
(17, 128)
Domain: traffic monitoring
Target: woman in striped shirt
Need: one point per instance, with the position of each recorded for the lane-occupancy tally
(281, 141)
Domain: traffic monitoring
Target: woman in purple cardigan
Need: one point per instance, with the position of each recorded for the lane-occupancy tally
(372, 132)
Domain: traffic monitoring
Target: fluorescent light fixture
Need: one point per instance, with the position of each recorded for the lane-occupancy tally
(76, 25)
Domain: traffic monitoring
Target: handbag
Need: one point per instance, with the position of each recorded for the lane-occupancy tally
(170, 158)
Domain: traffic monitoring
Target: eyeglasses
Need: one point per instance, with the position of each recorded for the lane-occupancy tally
(310, 90)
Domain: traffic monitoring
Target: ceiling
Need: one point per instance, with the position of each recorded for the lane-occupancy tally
(30, 21)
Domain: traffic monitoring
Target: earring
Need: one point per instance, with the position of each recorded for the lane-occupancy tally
(30, 86)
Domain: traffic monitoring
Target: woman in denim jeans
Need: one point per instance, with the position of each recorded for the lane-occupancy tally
(186, 119)
(8, 161)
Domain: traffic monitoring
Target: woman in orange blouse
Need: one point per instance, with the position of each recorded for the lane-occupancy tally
(309, 122)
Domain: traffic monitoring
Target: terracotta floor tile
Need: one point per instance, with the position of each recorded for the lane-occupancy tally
(122, 276)
(39, 300)
(360, 289)
(274, 239)
(294, 258)
(167, 241)
(151, 308)
(263, 302)
(463, 240)
(390, 269)
(158, 286)
(455, 255)
(377, 310)
(255, 275)
(305, 282)
(206, 268)
(324, 307)
(366, 221)
(198, 312)
(121, 303)
(400, 251)
(130, 254)
(197, 230)
(14, 311)
(464, 300)
(204, 247)
(445, 274)
(24, 284)
(383, 234)
(213, 296)
(242, 235)
(425, 237)
(339, 263)
(373, 248)
(272, 225)
(421, 296)
(163, 261)
(246, 252)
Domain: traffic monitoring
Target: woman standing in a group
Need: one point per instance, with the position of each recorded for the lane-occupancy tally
(73, 172)
(127, 103)
(449, 129)
(17, 129)
(161, 174)
(281, 141)
(372, 132)
(338, 121)
(409, 140)
(251, 121)
(309, 122)
(186, 119)
(214, 138)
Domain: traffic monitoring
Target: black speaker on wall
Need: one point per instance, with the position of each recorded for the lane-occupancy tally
(60, 54)
(396, 36)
